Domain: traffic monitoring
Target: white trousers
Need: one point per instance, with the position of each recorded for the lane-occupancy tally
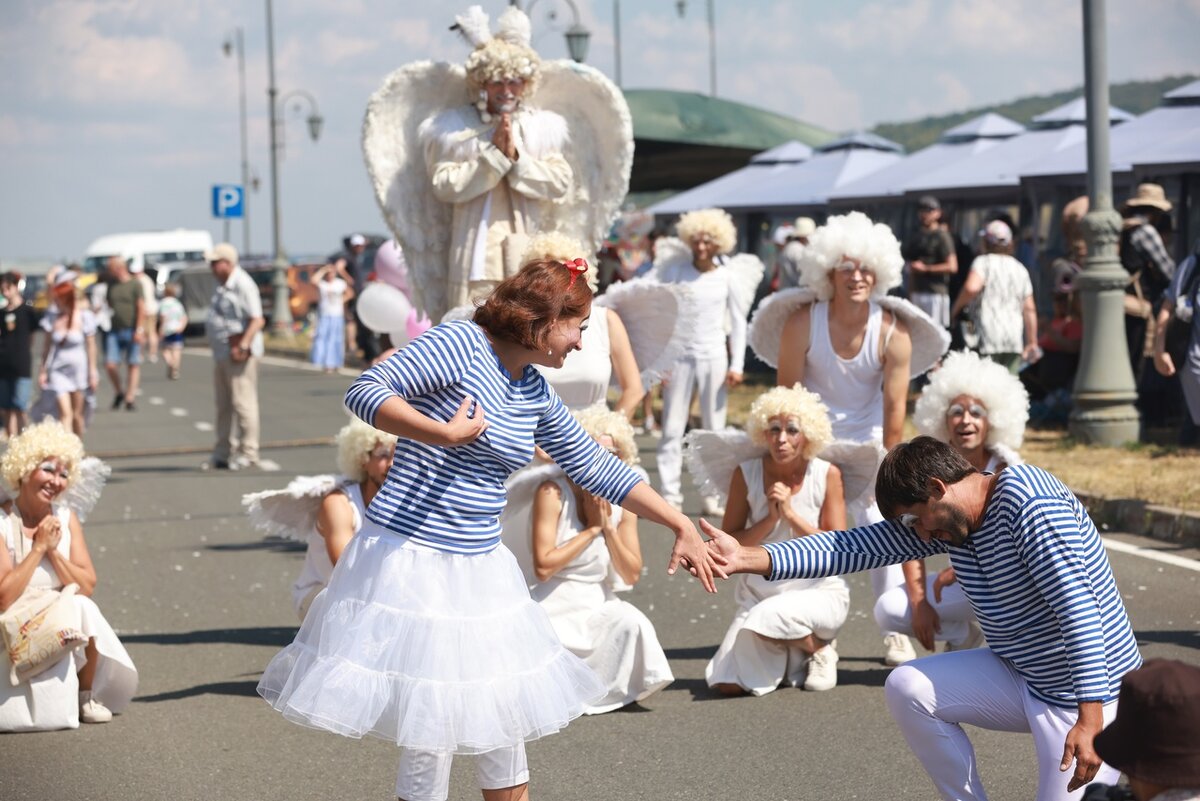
(425, 775)
(709, 375)
(893, 613)
(932, 697)
(883, 579)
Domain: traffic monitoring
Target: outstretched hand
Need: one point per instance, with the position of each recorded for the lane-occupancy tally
(699, 560)
(722, 547)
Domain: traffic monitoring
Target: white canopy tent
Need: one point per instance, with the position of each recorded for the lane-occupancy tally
(962, 141)
(761, 165)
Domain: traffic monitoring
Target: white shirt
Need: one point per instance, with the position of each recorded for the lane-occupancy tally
(1000, 307)
(711, 305)
(331, 303)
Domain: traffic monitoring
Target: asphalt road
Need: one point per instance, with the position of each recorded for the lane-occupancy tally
(202, 603)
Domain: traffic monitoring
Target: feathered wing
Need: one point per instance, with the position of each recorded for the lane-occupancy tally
(712, 456)
(290, 513)
(657, 331)
(516, 521)
(84, 492)
(463, 312)
(747, 270)
(396, 163)
(859, 463)
(599, 149)
(929, 340)
(669, 253)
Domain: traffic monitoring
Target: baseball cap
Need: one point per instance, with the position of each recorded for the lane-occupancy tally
(928, 203)
(997, 232)
(222, 252)
(357, 239)
(804, 226)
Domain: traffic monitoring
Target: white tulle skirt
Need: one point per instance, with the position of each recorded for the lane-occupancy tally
(431, 650)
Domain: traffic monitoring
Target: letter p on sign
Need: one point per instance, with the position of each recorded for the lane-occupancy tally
(227, 200)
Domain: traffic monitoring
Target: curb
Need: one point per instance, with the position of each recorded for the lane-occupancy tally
(1140, 517)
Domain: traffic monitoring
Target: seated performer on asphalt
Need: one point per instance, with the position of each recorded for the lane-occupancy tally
(979, 409)
(1032, 564)
(783, 631)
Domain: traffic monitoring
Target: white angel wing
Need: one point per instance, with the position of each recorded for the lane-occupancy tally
(599, 149)
(516, 521)
(657, 331)
(747, 272)
(463, 312)
(929, 340)
(84, 492)
(669, 251)
(396, 163)
(290, 513)
(858, 461)
(712, 456)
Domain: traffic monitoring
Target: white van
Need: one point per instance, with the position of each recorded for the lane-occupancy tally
(149, 249)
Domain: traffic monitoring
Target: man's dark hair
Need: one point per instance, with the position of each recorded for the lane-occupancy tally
(904, 476)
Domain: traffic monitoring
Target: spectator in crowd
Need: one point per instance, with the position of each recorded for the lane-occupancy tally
(16, 353)
(1177, 347)
(234, 327)
(150, 310)
(123, 343)
(1053, 380)
(932, 261)
(172, 322)
(1023, 547)
(354, 262)
(788, 261)
(1145, 257)
(69, 366)
(1155, 738)
(329, 343)
(999, 287)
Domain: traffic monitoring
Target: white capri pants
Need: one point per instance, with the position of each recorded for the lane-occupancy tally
(932, 697)
(425, 775)
(709, 375)
(893, 612)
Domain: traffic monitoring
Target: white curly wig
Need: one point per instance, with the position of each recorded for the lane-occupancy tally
(851, 236)
(715, 222)
(793, 402)
(600, 421)
(354, 442)
(968, 373)
(555, 246)
(46, 440)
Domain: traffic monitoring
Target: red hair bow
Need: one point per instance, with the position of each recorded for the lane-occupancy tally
(577, 267)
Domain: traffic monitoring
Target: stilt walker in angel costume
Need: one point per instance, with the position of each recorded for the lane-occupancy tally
(845, 339)
(468, 162)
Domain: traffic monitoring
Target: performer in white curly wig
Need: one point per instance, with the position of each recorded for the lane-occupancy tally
(855, 354)
(980, 409)
(495, 158)
(42, 547)
(325, 511)
(721, 293)
(784, 630)
(583, 550)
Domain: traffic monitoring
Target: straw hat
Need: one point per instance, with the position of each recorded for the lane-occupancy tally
(1151, 195)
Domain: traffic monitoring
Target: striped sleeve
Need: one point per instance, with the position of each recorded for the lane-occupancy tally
(1050, 543)
(580, 456)
(832, 553)
(438, 358)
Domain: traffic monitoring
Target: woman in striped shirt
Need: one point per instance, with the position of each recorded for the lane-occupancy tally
(426, 635)
(1033, 567)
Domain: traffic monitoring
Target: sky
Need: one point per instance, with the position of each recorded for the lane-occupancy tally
(120, 115)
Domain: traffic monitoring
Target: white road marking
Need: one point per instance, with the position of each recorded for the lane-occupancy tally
(202, 425)
(1150, 553)
(179, 411)
(155, 400)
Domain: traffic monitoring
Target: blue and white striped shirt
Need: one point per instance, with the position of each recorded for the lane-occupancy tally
(1035, 573)
(451, 498)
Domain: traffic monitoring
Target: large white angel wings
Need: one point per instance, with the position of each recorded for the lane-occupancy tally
(290, 513)
(599, 150)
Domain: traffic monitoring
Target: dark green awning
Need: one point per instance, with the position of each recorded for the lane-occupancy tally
(690, 118)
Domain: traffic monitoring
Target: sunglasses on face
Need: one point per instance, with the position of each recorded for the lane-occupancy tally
(975, 410)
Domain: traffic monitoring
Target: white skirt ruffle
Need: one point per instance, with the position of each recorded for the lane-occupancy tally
(431, 650)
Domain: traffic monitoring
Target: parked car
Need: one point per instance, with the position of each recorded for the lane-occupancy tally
(196, 284)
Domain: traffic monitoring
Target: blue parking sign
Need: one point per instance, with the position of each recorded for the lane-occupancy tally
(227, 201)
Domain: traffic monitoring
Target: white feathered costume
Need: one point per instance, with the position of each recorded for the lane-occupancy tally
(460, 208)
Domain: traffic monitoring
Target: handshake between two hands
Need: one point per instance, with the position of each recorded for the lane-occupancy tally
(721, 555)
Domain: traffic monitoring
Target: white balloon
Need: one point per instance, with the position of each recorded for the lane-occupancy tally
(383, 308)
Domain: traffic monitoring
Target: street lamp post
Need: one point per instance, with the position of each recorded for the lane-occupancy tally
(281, 318)
(577, 35)
(681, 7)
(231, 46)
(1105, 393)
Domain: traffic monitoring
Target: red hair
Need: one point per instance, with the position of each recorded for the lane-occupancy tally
(522, 308)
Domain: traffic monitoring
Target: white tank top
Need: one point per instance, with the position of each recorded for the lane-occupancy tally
(593, 565)
(851, 388)
(18, 545)
(585, 375)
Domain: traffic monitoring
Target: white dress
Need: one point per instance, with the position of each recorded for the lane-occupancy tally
(50, 700)
(583, 379)
(778, 610)
(612, 636)
(318, 567)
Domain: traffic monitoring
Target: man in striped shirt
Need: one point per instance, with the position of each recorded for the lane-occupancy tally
(1032, 565)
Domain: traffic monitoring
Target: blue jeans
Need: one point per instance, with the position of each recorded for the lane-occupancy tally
(120, 347)
(15, 393)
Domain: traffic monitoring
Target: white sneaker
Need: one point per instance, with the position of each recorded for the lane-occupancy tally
(713, 507)
(822, 669)
(899, 650)
(974, 639)
(91, 710)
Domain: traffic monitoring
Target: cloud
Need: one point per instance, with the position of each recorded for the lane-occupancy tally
(334, 48)
(891, 26)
